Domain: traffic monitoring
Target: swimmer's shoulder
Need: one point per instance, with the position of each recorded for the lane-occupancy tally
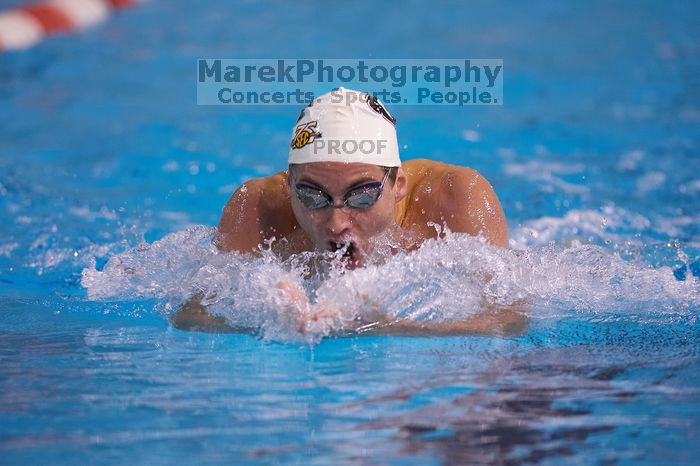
(259, 209)
(426, 173)
(459, 197)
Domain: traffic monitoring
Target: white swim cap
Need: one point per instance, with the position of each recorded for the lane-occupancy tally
(345, 126)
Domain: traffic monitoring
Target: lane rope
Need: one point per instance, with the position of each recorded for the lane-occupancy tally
(27, 25)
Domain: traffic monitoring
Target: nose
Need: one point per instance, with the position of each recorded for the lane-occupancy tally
(339, 221)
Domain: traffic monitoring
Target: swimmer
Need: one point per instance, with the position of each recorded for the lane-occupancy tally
(346, 186)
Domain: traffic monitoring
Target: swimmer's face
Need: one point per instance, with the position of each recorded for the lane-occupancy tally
(330, 227)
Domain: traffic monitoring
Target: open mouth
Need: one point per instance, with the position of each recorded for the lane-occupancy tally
(347, 248)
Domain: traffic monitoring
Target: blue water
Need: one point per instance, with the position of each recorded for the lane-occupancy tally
(594, 156)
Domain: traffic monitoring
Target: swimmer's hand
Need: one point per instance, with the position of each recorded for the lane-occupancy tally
(310, 319)
(293, 310)
(194, 316)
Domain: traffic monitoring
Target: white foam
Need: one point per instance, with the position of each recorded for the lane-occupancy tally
(629, 161)
(650, 181)
(605, 225)
(444, 280)
(546, 174)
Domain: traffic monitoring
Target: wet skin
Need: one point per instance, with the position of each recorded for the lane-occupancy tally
(423, 193)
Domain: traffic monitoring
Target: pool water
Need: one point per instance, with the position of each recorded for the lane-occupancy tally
(111, 180)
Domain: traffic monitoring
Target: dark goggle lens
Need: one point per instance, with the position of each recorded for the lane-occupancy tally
(312, 198)
(360, 198)
(363, 198)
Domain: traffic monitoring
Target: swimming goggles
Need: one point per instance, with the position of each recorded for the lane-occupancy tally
(361, 197)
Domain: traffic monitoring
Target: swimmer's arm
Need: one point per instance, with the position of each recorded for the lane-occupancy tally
(238, 230)
(468, 204)
(194, 316)
(294, 305)
(241, 229)
(494, 320)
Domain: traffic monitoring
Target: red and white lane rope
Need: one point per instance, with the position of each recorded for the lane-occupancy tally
(24, 26)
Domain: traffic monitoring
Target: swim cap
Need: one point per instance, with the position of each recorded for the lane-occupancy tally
(345, 126)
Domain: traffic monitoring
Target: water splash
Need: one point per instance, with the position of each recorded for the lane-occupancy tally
(445, 280)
